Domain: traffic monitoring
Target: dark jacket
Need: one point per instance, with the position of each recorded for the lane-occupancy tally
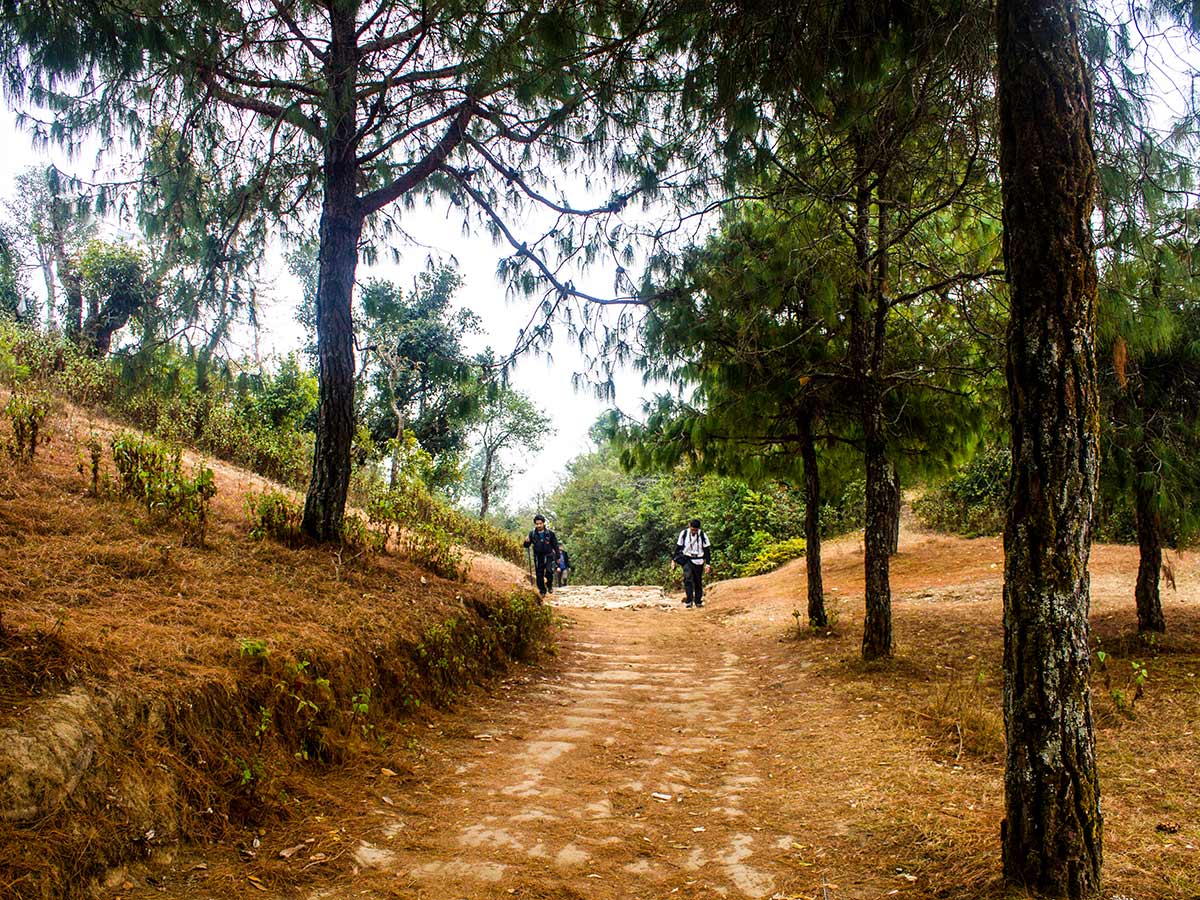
(544, 543)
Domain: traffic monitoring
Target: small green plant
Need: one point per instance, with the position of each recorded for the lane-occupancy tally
(1124, 695)
(275, 515)
(92, 462)
(773, 555)
(27, 413)
(152, 473)
(254, 648)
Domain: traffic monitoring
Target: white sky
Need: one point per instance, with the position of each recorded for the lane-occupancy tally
(547, 379)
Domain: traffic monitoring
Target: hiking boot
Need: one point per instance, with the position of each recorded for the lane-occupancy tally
(689, 605)
(699, 603)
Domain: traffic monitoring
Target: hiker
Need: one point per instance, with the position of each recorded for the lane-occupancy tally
(545, 554)
(564, 564)
(693, 552)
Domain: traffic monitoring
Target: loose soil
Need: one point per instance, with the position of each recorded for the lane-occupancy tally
(727, 752)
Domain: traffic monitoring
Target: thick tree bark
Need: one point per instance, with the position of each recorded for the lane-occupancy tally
(1149, 533)
(817, 616)
(341, 226)
(106, 320)
(1052, 830)
(877, 627)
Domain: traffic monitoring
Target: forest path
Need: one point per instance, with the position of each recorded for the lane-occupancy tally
(669, 753)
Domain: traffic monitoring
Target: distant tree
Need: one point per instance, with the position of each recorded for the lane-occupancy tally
(755, 328)
(1150, 396)
(117, 287)
(423, 380)
(15, 301)
(53, 223)
(878, 115)
(1052, 830)
(507, 420)
(204, 245)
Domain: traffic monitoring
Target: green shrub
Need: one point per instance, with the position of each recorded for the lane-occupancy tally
(152, 474)
(973, 501)
(774, 555)
(430, 547)
(27, 413)
(275, 515)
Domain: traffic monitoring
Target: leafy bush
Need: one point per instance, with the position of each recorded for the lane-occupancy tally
(275, 515)
(430, 547)
(774, 555)
(152, 473)
(973, 501)
(258, 421)
(846, 512)
(27, 413)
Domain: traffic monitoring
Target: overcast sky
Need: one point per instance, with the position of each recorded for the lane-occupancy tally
(548, 380)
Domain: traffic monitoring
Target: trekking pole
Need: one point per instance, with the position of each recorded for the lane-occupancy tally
(529, 556)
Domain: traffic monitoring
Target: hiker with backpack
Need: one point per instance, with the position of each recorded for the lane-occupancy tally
(545, 554)
(694, 553)
(564, 564)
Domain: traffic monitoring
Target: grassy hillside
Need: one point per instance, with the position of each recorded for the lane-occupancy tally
(152, 691)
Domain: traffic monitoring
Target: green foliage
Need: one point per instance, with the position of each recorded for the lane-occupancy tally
(27, 414)
(622, 527)
(974, 500)
(423, 381)
(11, 369)
(152, 474)
(773, 555)
(253, 648)
(274, 514)
(15, 302)
(92, 465)
(257, 420)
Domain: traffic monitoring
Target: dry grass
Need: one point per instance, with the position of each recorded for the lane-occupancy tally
(926, 748)
(229, 672)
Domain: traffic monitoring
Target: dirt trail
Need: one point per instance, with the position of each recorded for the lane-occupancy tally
(629, 773)
(671, 753)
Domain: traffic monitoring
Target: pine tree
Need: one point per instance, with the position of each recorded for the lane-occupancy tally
(1052, 830)
(343, 107)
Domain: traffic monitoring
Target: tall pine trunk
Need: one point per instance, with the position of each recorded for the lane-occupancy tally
(1149, 534)
(866, 349)
(877, 627)
(341, 226)
(1051, 834)
(817, 616)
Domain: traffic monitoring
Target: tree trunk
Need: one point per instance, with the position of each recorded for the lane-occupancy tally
(1051, 834)
(72, 284)
(46, 260)
(341, 226)
(817, 616)
(894, 514)
(485, 485)
(1149, 534)
(866, 349)
(877, 628)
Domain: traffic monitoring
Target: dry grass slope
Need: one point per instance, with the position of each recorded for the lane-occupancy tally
(152, 692)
